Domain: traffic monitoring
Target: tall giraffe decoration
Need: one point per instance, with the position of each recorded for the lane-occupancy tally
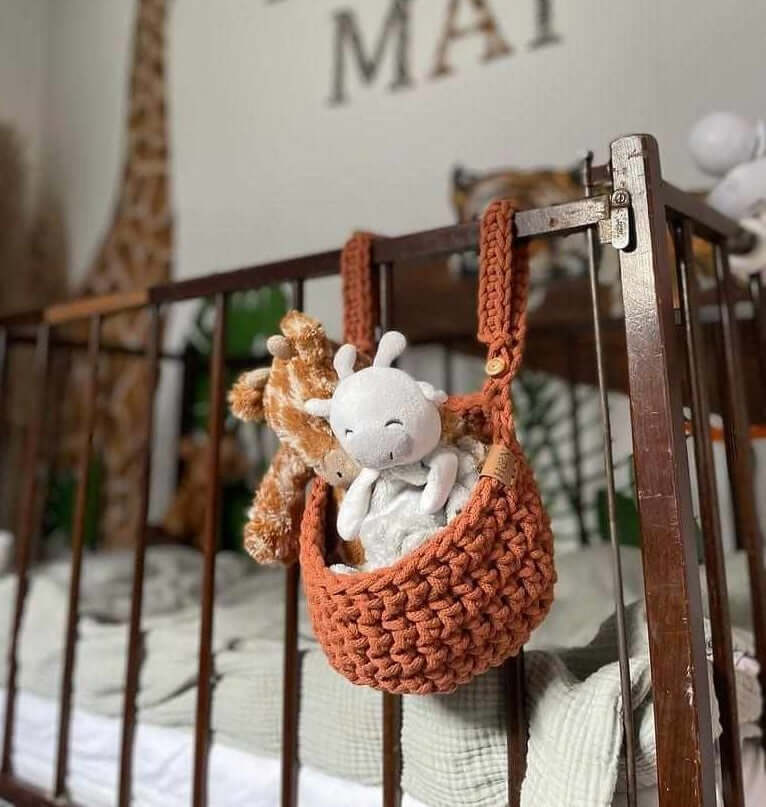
(135, 253)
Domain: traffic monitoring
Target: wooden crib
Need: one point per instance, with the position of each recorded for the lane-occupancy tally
(626, 205)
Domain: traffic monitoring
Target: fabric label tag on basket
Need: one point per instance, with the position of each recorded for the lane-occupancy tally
(500, 464)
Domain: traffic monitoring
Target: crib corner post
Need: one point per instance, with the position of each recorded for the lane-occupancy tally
(685, 759)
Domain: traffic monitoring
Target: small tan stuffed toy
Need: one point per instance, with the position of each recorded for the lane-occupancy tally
(185, 518)
(301, 369)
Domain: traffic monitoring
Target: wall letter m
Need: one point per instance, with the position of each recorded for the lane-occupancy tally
(348, 38)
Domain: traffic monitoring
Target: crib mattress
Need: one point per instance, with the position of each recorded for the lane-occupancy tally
(339, 728)
(163, 765)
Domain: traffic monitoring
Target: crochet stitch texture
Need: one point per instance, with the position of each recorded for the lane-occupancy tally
(470, 596)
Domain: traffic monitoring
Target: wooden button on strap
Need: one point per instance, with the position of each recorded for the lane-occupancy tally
(495, 367)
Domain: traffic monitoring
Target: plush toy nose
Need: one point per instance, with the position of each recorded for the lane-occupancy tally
(379, 447)
(337, 468)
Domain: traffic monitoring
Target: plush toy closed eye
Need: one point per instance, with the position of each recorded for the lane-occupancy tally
(383, 419)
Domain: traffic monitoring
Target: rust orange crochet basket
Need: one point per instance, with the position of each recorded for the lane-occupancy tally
(469, 597)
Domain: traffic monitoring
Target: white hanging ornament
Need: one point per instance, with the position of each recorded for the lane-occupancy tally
(733, 148)
(722, 140)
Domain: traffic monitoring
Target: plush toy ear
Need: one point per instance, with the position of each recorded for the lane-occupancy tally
(391, 346)
(344, 361)
(279, 347)
(432, 394)
(318, 406)
(246, 396)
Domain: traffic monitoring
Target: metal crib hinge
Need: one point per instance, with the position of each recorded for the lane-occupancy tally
(616, 229)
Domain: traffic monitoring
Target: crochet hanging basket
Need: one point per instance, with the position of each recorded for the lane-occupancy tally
(469, 597)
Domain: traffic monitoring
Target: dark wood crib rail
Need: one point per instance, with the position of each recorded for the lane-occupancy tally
(633, 215)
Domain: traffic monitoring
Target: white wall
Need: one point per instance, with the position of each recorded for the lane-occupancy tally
(23, 58)
(263, 167)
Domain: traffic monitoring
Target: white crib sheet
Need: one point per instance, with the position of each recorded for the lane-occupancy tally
(163, 765)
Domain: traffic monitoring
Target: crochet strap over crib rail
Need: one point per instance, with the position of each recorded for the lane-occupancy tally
(502, 313)
(503, 290)
(361, 293)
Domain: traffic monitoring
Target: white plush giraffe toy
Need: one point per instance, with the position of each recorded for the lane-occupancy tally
(388, 422)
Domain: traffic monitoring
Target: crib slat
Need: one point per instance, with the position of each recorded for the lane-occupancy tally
(715, 568)
(392, 704)
(24, 538)
(212, 519)
(737, 439)
(291, 667)
(290, 682)
(572, 349)
(448, 371)
(611, 499)
(135, 642)
(392, 750)
(3, 394)
(759, 315)
(516, 729)
(78, 534)
(3, 374)
(685, 759)
(386, 296)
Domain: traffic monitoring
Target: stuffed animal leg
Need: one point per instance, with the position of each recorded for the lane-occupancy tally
(271, 533)
(355, 504)
(442, 473)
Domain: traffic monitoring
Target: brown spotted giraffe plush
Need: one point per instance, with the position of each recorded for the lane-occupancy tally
(302, 368)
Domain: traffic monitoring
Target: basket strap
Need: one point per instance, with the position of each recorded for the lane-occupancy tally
(361, 293)
(503, 288)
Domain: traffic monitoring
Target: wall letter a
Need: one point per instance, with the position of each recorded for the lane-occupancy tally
(485, 24)
(347, 32)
